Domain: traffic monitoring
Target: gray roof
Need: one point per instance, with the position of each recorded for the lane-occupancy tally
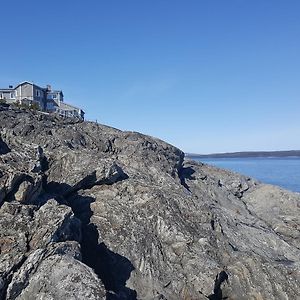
(66, 106)
(6, 90)
(55, 92)
(28, 82)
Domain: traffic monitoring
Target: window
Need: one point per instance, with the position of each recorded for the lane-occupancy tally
(54, 96)
(12, 95)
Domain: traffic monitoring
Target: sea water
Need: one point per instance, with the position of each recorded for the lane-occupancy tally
(284, 172)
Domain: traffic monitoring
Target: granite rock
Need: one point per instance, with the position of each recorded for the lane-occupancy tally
(135, 219)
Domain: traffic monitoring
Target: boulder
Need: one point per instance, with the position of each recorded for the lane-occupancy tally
(55, 275)
(25, 228)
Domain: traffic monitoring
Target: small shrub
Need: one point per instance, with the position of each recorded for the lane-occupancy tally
(34, 106)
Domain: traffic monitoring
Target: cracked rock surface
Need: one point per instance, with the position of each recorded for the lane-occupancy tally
(92, 212)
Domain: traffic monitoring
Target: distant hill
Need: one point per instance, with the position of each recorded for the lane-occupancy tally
(247, 154)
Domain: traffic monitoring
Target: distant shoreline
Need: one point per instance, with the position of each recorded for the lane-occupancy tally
(289, 153)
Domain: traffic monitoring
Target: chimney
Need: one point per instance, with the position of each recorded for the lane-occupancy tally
(48, 87)
(10, 86)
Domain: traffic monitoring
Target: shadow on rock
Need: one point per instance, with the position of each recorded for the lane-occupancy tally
(4, 149)
(218, 294)
(112, 268)
(186, 173)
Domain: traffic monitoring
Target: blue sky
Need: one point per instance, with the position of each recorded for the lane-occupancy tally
(206, 76)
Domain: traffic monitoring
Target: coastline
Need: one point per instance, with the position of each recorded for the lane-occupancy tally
(256, 154)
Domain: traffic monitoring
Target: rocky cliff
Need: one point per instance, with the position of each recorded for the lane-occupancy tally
(91, 212)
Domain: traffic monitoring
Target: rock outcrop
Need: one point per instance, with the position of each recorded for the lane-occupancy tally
(91, 212)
